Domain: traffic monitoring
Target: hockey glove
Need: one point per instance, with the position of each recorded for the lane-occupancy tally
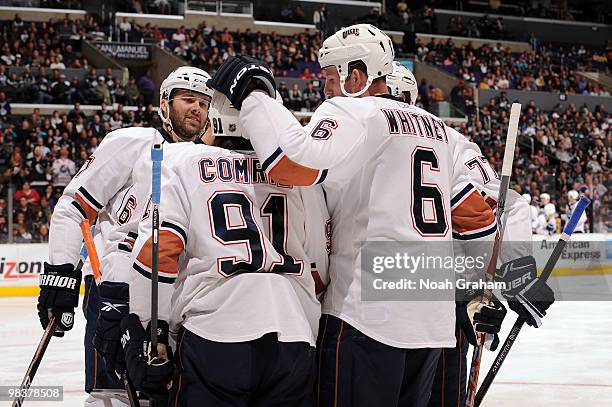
(526, 294)
(114, 306)
(150, 370)
(238, 76)
(477, 318)
(59, 296)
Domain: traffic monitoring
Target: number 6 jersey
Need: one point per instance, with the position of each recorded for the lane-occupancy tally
(239, 256)
(389, 172)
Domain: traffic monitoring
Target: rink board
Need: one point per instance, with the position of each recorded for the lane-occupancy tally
(586, 254)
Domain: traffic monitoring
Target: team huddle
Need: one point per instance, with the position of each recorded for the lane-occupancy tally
(261, 224)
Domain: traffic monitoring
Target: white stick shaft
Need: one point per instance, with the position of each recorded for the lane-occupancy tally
(515, 112)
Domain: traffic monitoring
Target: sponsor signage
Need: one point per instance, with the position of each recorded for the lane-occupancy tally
(121, 50)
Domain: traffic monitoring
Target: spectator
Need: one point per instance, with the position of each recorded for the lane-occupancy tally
(42, 236)
(5, 108)
(295, 98)
(283, 91)
(31, 196)
(311, 97)
(132, 93)
(146, 86)
(125, 27)
(22, 235)
(319, 19)
(306, 74)
(63, 170)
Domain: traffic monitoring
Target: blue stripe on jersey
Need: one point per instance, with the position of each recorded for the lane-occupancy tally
(146, 274)
(271, 159)
(176, 228)
(77, 205)
(90, 198)
(125, 247)
(322, 177)
(461, 194)
(483, 233)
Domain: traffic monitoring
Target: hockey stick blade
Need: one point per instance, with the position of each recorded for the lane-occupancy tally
(518, 324)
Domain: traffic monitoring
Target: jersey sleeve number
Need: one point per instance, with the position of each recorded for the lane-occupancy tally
(482, 164)
(250, 234)
(427, 206)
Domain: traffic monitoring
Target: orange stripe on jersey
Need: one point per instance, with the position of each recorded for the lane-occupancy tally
(90, 211)
(170, 248)
(491, 202)
(319, 285)
(287, 172)
(472, 214)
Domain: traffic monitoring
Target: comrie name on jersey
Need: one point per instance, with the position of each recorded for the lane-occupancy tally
(241, 170)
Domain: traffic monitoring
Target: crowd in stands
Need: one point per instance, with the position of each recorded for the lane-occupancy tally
(40, 155)
(566, 149)
(560, 150)
(43, 86)
(207, 47)
(495, 67)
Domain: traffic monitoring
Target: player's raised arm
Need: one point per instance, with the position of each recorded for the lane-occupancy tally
(328, 146)
(331, 148)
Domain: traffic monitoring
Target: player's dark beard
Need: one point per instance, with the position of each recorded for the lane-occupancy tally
(181, 131)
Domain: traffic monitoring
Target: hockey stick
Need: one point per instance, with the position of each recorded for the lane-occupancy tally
(42, 347)
(518, 324)
(95, 267)
(506, 173)
(157, 155)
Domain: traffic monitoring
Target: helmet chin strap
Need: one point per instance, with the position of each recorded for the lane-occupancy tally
(356, 94)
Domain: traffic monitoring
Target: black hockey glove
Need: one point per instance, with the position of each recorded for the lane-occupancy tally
(59, 296)
(151, 371)
(238, 76)
(476, 318)
(526, 294)
(114, 306)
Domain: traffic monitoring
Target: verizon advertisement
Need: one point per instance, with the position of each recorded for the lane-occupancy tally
(20, 264)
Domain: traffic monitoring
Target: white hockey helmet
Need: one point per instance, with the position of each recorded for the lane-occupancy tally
(527, 198)
(573, 196)
(544, 198)
(360, 42)
(402, 80)
(549, 209)
(224, 117)
(184, 77)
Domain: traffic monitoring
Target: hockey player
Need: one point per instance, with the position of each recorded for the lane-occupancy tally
(533, 211)
(241, 259)
(102, 189)
(547, 220)
(572, 200)
(402, 84)
(450, 383)
(388, 175)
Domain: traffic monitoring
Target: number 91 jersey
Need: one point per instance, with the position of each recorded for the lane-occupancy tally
(239, 255)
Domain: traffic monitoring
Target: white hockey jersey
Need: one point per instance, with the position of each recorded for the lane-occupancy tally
(516, 241)
(103, 188)
(239, 256)
(389, 174)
